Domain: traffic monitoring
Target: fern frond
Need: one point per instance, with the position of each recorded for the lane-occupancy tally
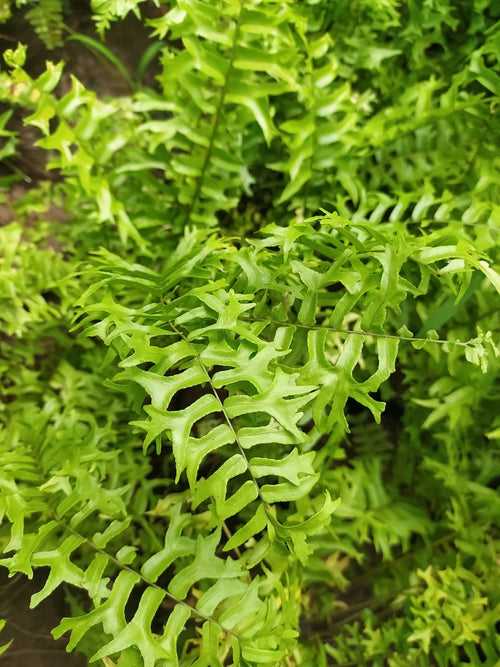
(107, 11)
(26, 274)
(235, 58)
(5, 10)
(46, 17)
(292, 227)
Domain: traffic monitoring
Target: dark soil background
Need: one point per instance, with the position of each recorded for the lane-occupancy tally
(30, 628)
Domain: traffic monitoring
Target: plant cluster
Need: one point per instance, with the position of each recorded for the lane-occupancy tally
(248, 352)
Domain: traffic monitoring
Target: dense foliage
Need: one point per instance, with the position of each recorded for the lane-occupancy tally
(250, 382)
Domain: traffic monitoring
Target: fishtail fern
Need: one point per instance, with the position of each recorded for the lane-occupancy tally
(229, 425)
(45, 17)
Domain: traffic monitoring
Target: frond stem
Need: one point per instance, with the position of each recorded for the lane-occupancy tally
(224, 413)
(217, 119)
(144, 579)
(354, 332)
